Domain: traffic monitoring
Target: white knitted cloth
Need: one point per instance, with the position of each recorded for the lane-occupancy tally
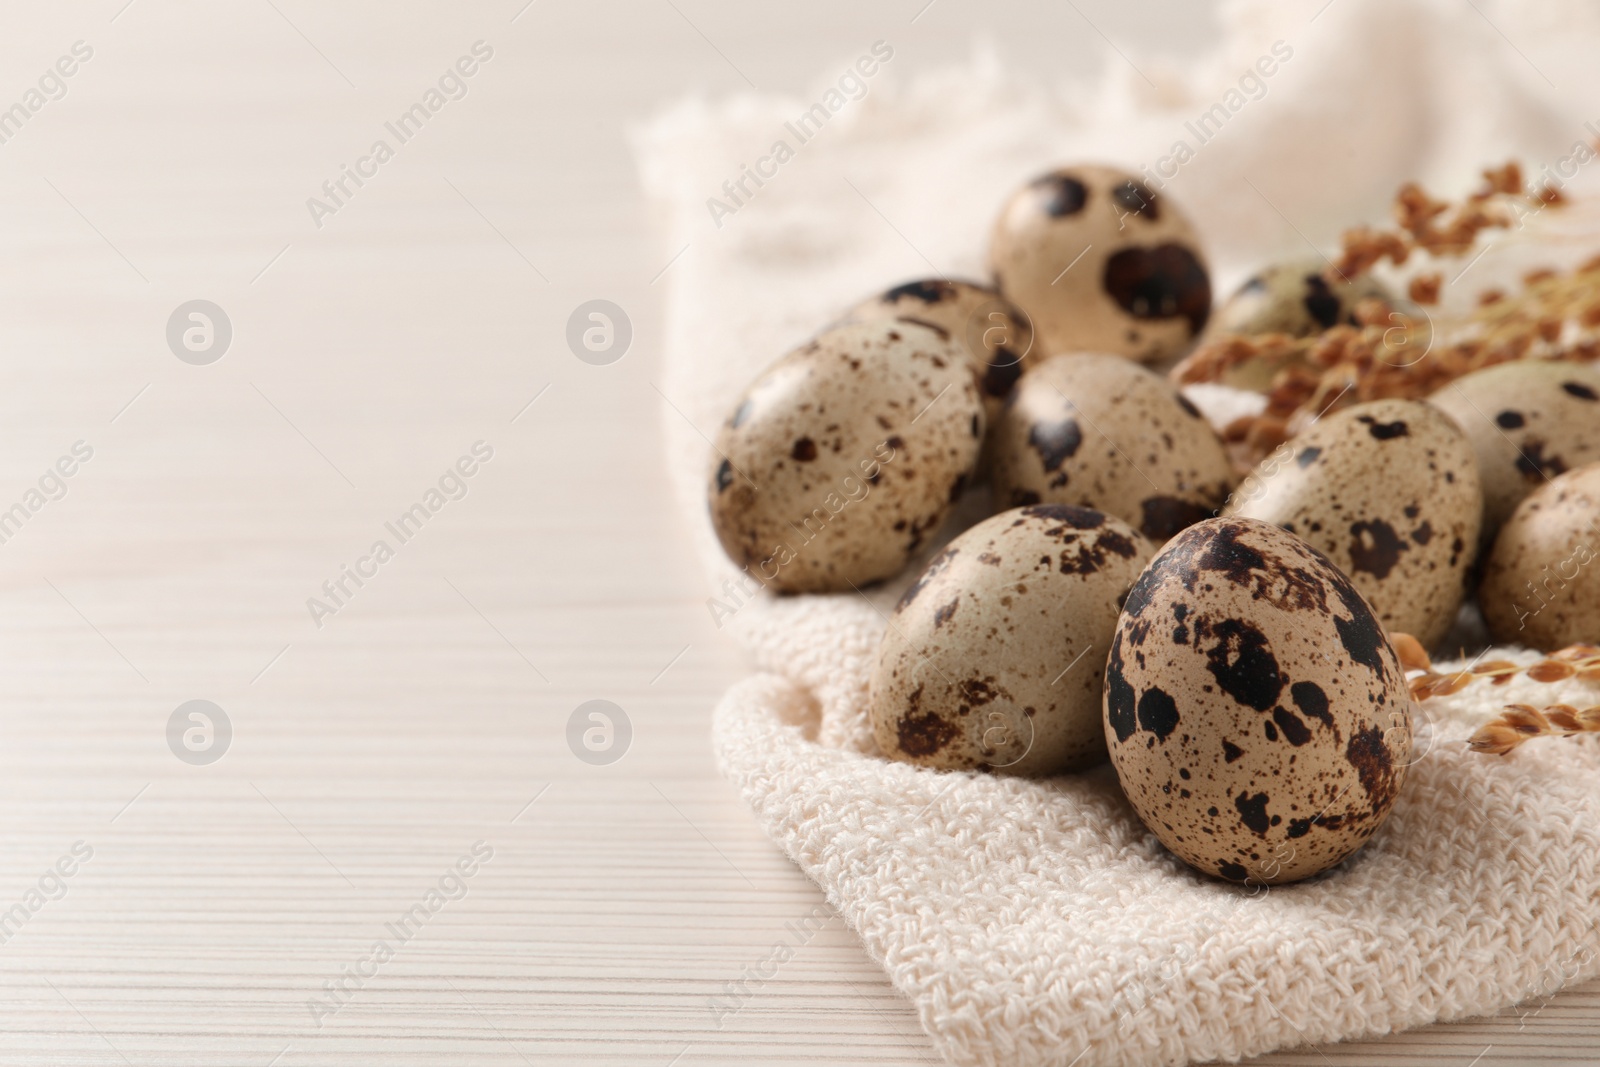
(1037, 922)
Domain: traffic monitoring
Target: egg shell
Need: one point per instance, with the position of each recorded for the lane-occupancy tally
(1541, 584)
(1101, 263)
(992, 658)
(844, 457)
(1528, 420)
(1098, 431)
(1295, 298)
(998, 337)
(1388, 491)
(1257, 717)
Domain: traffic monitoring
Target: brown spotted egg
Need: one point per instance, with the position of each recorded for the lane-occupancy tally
(1388, 490)
(1294, 298)
(997, 335)
(1257, 717)
(1528, 421)
(992, 658)
(1102, 264)
(844, 457)
(1541, 585)
(1101, 432)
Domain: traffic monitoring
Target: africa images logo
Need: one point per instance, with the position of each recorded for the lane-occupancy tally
(52, 85)
(851, 86)
(451, 886)
(452, 85)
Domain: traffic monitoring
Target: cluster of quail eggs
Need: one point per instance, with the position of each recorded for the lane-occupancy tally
(1223, 640)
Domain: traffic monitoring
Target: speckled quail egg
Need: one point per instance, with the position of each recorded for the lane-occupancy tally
(1294, 298)
(1257, 717)
(1388, 490)
(993, 657)
(844, 457)
(1541, 584)
(1100, 432)
(1528, 421)
(997, 335)
(1102, 264)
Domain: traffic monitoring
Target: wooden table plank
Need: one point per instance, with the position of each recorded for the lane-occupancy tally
(371, 753)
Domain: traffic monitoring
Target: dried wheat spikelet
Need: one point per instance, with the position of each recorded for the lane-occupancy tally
(1523, 722)
(1519, 722)
(1440, 228)
(1388, 353)
(1574, 661)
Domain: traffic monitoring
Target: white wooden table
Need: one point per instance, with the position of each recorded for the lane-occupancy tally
(221, 904)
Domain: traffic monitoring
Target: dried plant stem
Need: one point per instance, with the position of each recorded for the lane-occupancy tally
(1574, 661)
(1523, 722)
(1394, 351)
(1439, 227)
(1519, 722)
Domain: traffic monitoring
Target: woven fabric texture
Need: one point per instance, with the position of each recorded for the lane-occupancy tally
(1036, 921)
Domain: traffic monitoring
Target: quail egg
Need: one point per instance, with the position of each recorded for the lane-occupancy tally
(1528, 421)
(1294, 298)
(1257, 717)
(844, 457)
(997, 335)
(1102, 264)
(1388, 490)
(1541, 585)
(993, 657)
(1098, 431)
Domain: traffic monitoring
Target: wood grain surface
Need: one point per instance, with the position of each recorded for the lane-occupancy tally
(233, 912)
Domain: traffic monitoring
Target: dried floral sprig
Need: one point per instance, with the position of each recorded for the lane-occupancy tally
(1440, 228)
(1574, 661)
(1389, 353)
(1413, 657)
(1524, 722)
(1555, 316)
(1519, 722)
